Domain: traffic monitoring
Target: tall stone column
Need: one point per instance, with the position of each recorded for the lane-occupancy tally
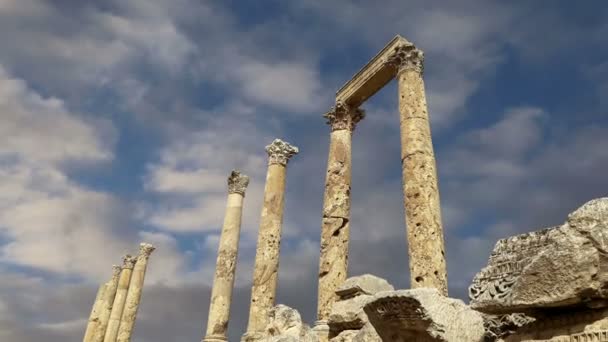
(266, 265)
(333, 262)
(120, 298)
(106, 308)
(129, 313)
(223, 283)
(93, 322)
(420, 188)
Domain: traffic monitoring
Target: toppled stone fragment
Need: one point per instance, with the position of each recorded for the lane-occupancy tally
(285, 325)
(423, 314)
(554, 267)
(365, 284)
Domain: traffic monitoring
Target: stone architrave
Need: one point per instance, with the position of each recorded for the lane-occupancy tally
(108, 300)
(223, 283)
(333, 262)
(420, 185)
(129, 313)
(93, 322)
(265, 273)
(120, 298)
(424, 315)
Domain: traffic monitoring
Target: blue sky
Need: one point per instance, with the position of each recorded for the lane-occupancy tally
(120, 122)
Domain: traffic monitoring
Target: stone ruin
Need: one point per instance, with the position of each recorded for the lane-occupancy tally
(548, 285)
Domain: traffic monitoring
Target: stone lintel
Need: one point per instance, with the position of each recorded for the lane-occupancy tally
(372, 77)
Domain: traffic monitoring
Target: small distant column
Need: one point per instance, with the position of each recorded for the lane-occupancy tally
(129, 313)
(223, 283)
(420, 186)
(333, 261)
(120, 298)
(93, 322)
(266, 265)
(106, 306)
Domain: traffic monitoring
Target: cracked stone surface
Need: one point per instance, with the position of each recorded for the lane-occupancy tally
(423, 314)
(420, 186)
(560, 266)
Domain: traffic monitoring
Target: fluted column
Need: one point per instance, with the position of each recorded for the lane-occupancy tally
(227, 253)
(93, 321)
(129, 313)
(120, 298)
(106, 307)
(420, 188)
(333, 262)
(266, 265)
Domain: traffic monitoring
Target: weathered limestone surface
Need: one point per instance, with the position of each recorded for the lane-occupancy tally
(223, 283)
(106, 306)
(129, 314)
(420, 186)
(333, 262)
(423, 314)
(561, 266)
(285, 325)
(500, 326)
(347, 312)
(269, 238)
(120, 298)
(93, 322)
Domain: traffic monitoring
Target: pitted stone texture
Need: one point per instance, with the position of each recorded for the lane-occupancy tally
(335, 230)
(285, 325)
(420, 186)
(265, 272)
(223, 283)
(423, 314)
(108, 301)
(93, 323)
(555, 267)
(366, 284)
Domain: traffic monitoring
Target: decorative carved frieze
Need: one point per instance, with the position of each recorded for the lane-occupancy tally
(406, 57)
(342, 116)
(237, 183)
(279, 152)
(501, 326)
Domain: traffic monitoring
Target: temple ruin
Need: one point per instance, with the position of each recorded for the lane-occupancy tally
(548, 285)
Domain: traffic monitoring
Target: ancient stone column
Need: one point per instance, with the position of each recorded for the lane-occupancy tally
(223, 283)
(269, 238)
(93, 322)
(108, 300)
(420, 189)
(120, 298)
(333, 262)
(129, 313)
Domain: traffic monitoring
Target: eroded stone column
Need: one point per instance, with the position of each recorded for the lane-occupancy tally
(93, 322)
(129, 313)
(106, 308)
(420, 189)
(269, 238)
(223, 283)
(120, 298)
(333, 263)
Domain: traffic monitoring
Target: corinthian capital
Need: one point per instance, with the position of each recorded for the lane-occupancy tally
(145, 249)
(128, 261)
(407, 57)
(280, 151)
(116, 271)
(237, 183)
(342, 116)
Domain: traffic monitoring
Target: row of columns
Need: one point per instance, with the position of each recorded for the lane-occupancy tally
(115, 308)
(421, 202)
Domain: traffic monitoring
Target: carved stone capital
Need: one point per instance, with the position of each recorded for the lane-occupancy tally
(407, 57)
(237, 183)
(116, 271)
(128, 262)
(279, 152)
(145, 249)
(342, 116)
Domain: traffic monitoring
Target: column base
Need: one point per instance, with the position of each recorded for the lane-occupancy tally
(252, 336)
(215, 338)
(321, 328)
